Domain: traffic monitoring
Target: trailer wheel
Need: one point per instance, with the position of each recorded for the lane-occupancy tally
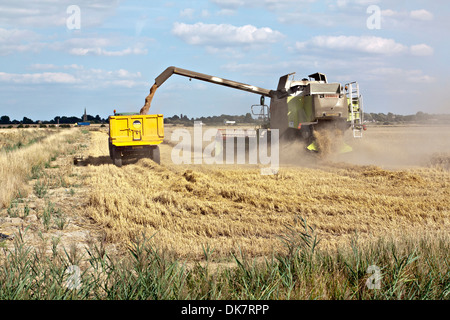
(116, 156)
(111, 150)
(156, 155)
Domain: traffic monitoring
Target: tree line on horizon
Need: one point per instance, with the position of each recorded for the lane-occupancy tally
(397, 118)
(382, 118)
(58, 119)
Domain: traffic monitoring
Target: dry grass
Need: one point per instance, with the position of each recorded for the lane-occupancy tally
(11, 139)
(17, 166)
(233, 209)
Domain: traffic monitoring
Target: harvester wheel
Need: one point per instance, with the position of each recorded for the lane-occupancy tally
(156, 155)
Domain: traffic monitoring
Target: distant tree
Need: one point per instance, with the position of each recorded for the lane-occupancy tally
(55, 119)
(380, 117)
(390, 116)
(410, 118)
(69, 120)
(74, 119)
(422, 116)
(88, 118)
(368, 117)
(5, 120)
(248, 118)
(27, 121)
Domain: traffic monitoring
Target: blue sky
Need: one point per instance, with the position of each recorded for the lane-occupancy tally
(48, 68)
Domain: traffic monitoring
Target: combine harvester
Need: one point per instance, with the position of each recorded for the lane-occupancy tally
(299, 109)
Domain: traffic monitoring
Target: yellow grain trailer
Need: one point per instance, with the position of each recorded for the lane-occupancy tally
(135, 135)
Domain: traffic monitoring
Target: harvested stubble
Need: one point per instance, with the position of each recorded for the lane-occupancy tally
(236, 209)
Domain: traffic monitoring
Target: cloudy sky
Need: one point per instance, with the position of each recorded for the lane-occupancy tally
(59, 57)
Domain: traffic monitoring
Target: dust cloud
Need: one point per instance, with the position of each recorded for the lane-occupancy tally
(389, 147)
(398, 147)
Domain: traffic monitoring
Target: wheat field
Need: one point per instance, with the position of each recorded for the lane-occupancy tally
(24, 150)
(313, 230)
(395, 185)
(16, 138)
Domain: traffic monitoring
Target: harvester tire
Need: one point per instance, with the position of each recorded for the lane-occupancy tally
(156, 155)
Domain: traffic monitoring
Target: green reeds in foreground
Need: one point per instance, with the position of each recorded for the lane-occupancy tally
(385, 269)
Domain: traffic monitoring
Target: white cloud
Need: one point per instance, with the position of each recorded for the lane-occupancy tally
(187, 13)
(363, 44)
(399, 74)
(118, 74)
(101, 46)
(229, 4)
(422, 50)
(37, 78)
(226, 12)
(205, 13)
(344, 4)
(272, 5)
(73, 66)
(16, 35)
(43, 66)
(423, 15)
(97, 51)
(225, 52)
(51, 13)
(366, 44)
(405, 19)
(224, 34)
(17, 40)
(75, 75)
(389, 13)
(279, 7)
(87, 42)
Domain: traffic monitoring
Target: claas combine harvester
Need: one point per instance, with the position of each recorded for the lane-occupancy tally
(298, 109)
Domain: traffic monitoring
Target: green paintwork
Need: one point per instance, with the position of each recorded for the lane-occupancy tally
(300, 110)
(356, 113)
